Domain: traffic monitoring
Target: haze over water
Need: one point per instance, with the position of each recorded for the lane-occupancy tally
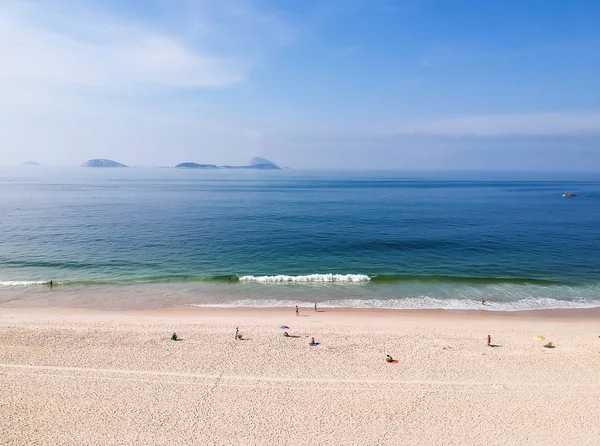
(135, 238)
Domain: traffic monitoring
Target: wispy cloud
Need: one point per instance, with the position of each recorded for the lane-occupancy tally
(348, 50)
(425, 63)
(80, 79)
(552, 125)
(508, 125)
(72, 49)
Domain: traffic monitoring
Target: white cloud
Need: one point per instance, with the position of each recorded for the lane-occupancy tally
(540, 124)
(103, 79)
(41, 49)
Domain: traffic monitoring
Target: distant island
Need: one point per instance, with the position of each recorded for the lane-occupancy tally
(255, 163)
(195, 166)
(102, 163)
(30, 163)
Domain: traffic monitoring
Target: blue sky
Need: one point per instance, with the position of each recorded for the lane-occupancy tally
(310, 84)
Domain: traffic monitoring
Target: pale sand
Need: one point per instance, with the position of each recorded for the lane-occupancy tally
(102, 378)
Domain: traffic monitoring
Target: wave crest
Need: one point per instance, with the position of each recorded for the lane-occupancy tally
(315, 278)
(22, 282)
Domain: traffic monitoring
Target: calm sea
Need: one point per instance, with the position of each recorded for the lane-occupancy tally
(137, 238)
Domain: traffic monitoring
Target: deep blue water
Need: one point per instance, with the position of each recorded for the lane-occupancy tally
(389, 238)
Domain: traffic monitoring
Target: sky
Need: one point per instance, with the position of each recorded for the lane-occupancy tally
(347, 84)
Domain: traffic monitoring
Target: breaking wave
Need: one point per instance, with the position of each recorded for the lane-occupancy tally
(328, 278)
(21, 283)
(422, 303)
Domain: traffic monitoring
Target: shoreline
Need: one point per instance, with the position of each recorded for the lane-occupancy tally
(194, 311)
(434, 296)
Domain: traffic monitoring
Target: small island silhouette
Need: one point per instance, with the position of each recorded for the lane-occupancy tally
(255, 163)
(102, 163)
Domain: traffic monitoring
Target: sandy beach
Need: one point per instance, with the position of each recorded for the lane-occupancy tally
(74, 377)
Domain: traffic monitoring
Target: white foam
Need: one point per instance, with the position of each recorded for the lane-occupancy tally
(22, 282)
(421, 303)
(311, 278)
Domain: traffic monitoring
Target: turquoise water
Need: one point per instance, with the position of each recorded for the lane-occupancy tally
(157, 237)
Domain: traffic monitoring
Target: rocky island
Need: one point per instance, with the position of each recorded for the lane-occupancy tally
(255, 163)
(30, 163)
(195, 166)
(102, 163)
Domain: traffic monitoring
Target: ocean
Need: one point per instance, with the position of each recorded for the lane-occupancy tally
(154, 238)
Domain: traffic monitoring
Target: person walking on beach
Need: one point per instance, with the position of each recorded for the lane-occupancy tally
(489, 340)
(315, 306)
(297, 313)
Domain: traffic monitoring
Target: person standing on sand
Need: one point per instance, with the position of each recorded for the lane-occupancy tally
(489, 340)
(237, 330)
(297, 313)
(315, 306)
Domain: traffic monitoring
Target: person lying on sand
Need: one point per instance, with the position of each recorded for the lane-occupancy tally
(239, 336)
(389, 358)
(286, 334)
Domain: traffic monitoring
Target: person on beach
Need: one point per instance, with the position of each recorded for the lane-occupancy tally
(174, 337)
(389, 358)
(51, 284)
(312, 341)
(297, 313)
(237, 331)
(489, 340)
(286, 334)
(315, 306)
(482, 301)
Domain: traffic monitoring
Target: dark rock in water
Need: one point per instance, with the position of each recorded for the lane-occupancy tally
(195, 166)
(102, 163)
(30, 163)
